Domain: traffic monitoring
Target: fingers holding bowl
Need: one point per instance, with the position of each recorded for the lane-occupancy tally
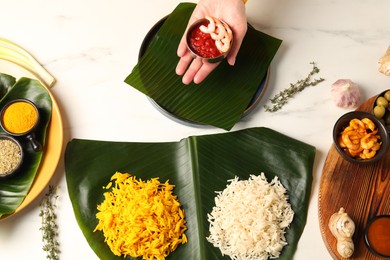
(193, 69)
(208, 41)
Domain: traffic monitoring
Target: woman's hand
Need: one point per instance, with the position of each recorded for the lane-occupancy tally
(230, 11)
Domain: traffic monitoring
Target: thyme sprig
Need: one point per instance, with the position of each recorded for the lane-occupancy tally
(49, 226)
(280, 99)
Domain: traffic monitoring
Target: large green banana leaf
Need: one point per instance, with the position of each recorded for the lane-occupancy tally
(221, 99)
(13, 190)
(6, 82)
(198, 166)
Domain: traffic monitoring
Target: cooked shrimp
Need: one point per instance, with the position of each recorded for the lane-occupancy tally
(355, 153)
(360, 138)
(357, 125)
(219, 32)
(218, 44)
(223, 45)
(348, 139)
(368, 123)
(348, 128)
(367, 142)
(376, 146)
(229, 32)
(367, 154)
(341, 143)
(210, 27)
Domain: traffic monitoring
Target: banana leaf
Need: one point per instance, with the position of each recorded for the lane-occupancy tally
(223, 96)
(13, 190)
(6, 82)
(198, 166)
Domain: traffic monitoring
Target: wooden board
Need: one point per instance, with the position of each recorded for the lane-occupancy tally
(363, 190)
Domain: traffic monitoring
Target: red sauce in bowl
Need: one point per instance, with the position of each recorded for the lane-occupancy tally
(202, 44)
(378, 235)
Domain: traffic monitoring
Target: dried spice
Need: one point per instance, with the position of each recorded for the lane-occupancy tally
(280, 99)
(10, 156)
(49, 226)
(19, 117)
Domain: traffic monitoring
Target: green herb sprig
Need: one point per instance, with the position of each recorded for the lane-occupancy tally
(280, 99)
(49, 227)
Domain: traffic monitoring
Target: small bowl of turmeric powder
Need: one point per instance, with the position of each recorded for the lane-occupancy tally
(11, 156)
(20, 117)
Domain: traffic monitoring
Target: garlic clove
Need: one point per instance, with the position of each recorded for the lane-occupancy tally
(345, 93)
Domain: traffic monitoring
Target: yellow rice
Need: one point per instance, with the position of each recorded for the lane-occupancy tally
(141, 219)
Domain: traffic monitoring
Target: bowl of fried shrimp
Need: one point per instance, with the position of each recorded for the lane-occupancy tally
(360, 137)
(209, 39)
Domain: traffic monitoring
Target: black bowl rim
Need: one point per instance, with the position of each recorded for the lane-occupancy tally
(382, 132)
(366, 235)
(9, 137)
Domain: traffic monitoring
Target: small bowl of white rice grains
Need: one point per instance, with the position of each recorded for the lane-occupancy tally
(11, 156)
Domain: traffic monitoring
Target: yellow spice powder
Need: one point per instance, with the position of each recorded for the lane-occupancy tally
(141, 218)
(19, 117)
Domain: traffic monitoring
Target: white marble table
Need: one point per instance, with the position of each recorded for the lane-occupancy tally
(91, 46)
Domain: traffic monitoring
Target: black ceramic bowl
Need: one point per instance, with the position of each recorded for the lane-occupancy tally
(194, 53)
(377, 235)
(343, 122)
(9, 140)
(386, 117)
(31, 129)
(29, 134)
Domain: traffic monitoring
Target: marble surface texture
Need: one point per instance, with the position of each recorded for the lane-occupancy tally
(91, 46)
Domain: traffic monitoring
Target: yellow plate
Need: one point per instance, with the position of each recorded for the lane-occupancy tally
(54, 140)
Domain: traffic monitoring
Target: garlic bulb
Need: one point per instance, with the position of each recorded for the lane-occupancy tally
(345, 93)
(342, 228)
(385, 63)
